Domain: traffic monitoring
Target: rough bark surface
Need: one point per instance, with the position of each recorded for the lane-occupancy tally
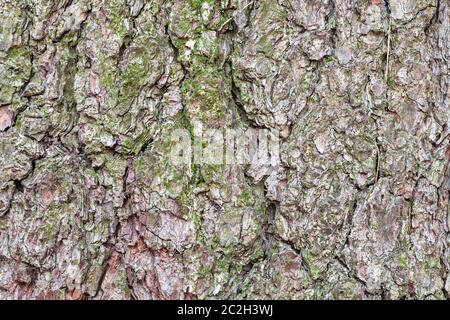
(92, 208)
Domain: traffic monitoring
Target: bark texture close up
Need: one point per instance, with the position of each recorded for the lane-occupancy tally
(92, 207)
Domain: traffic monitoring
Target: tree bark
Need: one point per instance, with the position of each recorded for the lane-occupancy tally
(92, 207)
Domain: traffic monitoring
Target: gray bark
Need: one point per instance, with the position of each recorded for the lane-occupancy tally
(91, 207)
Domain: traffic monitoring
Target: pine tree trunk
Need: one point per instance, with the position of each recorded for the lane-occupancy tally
(92, 207)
